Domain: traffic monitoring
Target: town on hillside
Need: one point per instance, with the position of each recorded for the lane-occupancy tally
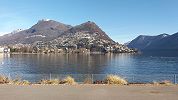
(48, 47)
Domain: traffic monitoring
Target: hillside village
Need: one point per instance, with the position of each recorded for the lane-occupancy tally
(48, 47)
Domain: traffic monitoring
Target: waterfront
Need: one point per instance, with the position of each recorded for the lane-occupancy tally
(138, 66)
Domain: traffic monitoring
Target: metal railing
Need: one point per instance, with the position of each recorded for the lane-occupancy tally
(80, 78)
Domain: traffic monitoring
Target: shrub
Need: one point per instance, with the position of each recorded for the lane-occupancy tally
(68, 80)
(114, 79)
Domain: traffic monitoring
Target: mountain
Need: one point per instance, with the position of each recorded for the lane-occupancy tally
(84, 35)
(88, 28)
(44, 30)
(159, 42)
(50, 35)
(50, 30)
(167, 43)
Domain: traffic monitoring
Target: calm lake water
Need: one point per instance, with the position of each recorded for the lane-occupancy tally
(123, 64)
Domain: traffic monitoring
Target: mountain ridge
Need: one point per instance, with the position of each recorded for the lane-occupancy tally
(159, 42)
(47, 30)
(41, 31)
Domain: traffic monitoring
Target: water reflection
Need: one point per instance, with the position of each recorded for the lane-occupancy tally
(161, 53)
(123, 64)
(1, 58)
(4, 57)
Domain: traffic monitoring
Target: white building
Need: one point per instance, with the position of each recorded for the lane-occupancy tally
(109, 49)
(4, 50)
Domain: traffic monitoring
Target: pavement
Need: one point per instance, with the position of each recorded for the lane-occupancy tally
(87, 92)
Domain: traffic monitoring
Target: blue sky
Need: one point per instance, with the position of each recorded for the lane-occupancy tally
(122, 20)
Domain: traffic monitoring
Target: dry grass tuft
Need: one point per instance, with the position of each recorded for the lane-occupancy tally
(53, 82)
(68, 80)
(166, 82)
(44, 82)
(156, 83)
(114, 79)
(18, 82)
(88, 81)
(24, 82)
(4, 80)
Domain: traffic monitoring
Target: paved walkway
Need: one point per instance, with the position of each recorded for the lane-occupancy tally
(88, 92)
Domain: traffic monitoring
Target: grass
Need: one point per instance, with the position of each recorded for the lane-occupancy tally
(109, 79)
(68, 80)
(6, 80)
(114, 79)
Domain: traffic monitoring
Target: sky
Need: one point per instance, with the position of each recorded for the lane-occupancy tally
(122, 20)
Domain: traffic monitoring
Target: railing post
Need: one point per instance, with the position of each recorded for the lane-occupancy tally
(133, 79)
(9, 76)
(92, 78)
(50, 76)
(175, 79)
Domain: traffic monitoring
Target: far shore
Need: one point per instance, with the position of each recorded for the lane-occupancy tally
(68, 53)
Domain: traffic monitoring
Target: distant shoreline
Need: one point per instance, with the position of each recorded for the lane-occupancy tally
(74, 53)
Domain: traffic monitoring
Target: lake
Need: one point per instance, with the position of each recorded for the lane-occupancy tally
(137, 67)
